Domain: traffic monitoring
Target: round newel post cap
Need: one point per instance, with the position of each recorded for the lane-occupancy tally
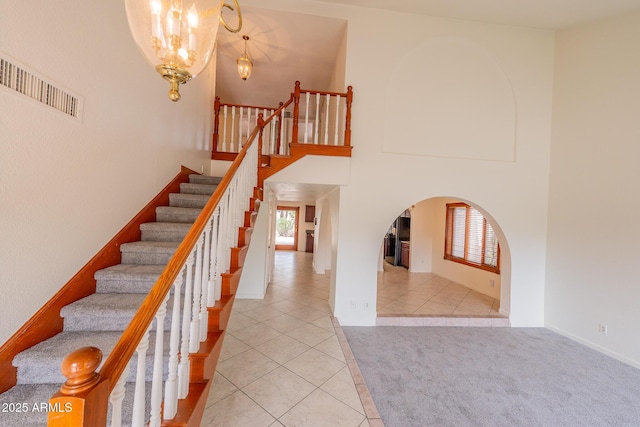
(80, 369)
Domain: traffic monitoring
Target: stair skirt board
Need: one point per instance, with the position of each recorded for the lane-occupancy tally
(99, 319)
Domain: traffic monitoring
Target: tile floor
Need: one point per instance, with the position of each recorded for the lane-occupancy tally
(426, 294)
(285, 361)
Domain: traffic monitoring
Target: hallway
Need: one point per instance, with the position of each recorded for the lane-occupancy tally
(283, 363)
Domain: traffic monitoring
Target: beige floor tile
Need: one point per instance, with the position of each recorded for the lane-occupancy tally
(286, 305)
(283, 323)
(324, 323)
(308, 314)
(231, 347)
(331, 347)
(310, 334)
(282, 349)
(246, 367)
(236, 410)
(256, 334)
(220, 389)
(262, 313)
(314, 366)
(322, 410)
(341, 387)
(239, 321)
(279, 391)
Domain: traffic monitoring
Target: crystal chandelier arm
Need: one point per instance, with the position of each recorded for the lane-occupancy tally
(232, 30)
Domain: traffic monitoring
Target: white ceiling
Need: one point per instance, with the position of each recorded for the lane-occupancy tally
(286, 47)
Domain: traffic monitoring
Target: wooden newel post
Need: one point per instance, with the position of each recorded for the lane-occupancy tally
(347, 121)
(216, 125)
(296, 112)
(84, 398)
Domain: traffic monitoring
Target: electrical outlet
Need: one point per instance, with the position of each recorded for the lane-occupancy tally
(602, 328)
(353, 305)
(366, 305)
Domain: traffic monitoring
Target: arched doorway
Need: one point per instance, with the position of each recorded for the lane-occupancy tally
(444, 257)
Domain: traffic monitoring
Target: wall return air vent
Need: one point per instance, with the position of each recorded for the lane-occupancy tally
(19, 79)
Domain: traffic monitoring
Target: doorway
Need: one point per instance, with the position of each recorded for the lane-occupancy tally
(287, 228)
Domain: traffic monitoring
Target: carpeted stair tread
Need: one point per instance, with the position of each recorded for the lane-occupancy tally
(188, 200)
(29, 394)
(164, 231)
(176, 214)
(148, 252)
(39, 395)
(127, 278)
(105, 312)
(191, 188)
(41, 363)
(204, 179)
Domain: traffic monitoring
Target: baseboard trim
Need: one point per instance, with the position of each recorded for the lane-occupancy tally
(594, 346)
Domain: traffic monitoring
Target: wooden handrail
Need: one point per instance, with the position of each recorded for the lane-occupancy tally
(47, 322)
(123, 351)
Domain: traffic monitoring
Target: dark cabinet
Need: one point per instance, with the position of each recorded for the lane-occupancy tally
(309, 241)
(309, 213)
(405, 254)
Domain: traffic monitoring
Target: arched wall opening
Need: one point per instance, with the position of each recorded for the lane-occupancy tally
(420, 281)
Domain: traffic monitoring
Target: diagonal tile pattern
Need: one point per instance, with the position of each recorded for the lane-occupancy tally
(425, 294)
(283, 360)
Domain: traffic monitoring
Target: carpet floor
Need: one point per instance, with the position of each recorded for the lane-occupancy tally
(447, 376)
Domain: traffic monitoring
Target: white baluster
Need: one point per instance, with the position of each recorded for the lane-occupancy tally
(194, 334)
(306, 119)
(233, 128)
(184, 365)
(138, 416)
(240, 140)
(206, 270)
(249, 121)
(117, 396)
(283, 143)
(220, 250)
(171, 385)
(326, 121)
(158, 364)
(335, 138)
(213, 275)
(317, 126)
(224, 130)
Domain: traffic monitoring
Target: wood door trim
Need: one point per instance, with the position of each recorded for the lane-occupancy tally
(293, 247)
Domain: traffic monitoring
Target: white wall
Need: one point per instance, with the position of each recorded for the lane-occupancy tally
(388, 174)
(67, 187)
(593, 254)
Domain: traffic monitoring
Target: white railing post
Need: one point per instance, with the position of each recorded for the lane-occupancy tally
(194, 334)
(158, 364)
(171, 385)
(116, 398)
(317, 125)
(214, 274)
(224, 130)
(335, 138)
(233, 128)
(326, 120)
(206, 271)
(184, 365)
(138, 415)
(306, 119)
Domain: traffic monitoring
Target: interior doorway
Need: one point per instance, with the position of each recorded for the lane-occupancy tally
(287, 228)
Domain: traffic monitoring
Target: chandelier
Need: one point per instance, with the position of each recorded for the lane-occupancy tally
(178, 37)
(244, 62)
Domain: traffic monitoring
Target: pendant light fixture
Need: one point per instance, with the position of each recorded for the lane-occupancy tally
(178, 37)
(244, 62)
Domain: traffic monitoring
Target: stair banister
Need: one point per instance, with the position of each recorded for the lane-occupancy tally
(90, 404)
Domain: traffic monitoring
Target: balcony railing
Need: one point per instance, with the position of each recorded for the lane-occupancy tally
(307, 117)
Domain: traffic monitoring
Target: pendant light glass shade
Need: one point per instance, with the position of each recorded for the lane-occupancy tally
(244, 62)
(177, 37)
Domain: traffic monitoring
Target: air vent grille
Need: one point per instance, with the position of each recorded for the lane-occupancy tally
(19, 79)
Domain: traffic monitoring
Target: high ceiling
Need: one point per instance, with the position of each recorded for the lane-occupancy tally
(286, 46)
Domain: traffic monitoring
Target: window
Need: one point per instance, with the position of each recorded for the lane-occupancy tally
(469, 239)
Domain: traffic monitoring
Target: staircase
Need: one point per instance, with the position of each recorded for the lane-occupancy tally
(99, 319)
